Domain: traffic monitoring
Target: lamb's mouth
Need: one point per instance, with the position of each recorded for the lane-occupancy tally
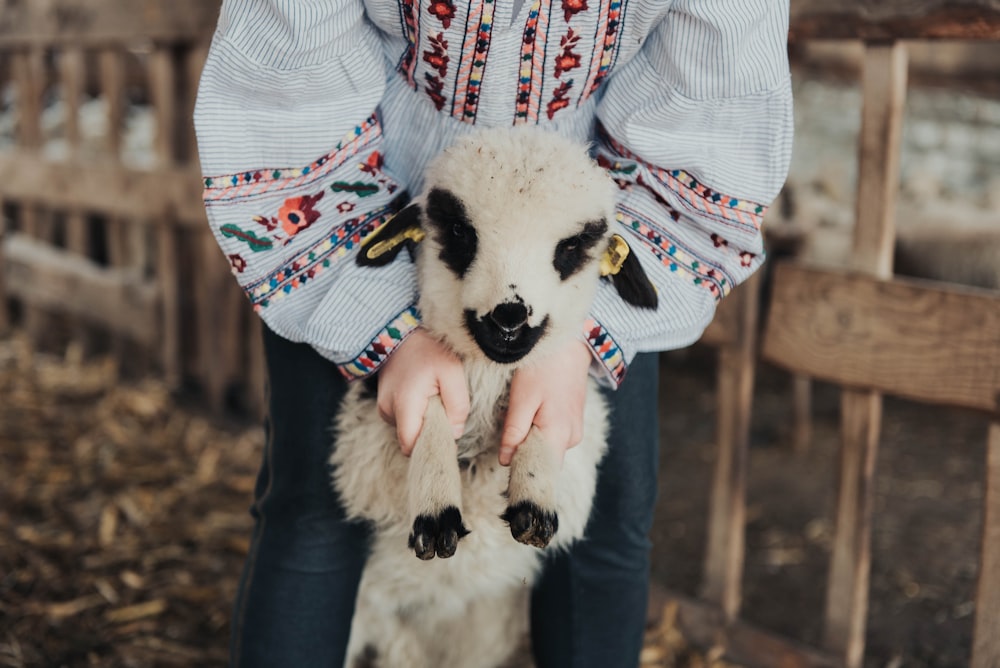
(502, 345)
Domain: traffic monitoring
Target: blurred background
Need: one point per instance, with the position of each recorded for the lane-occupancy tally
(131, 382)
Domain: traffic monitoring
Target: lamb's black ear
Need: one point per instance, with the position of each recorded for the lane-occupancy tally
(627, 274)
(399, 232)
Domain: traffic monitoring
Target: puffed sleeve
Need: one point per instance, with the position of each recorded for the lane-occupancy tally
(697, 131)
(290, 144)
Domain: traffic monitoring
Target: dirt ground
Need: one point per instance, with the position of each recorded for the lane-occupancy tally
(123, 518)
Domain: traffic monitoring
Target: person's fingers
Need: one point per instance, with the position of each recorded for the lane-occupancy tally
(409, 412)
(520, 416)
(455, 397)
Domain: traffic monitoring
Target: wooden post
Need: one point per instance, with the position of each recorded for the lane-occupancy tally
(163, 86)
(884, 89)
(29, 77)
(71, 73)
(986, 640)
(801, 413)
(727, 518)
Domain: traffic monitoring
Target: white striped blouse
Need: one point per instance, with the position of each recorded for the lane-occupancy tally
(314, 116)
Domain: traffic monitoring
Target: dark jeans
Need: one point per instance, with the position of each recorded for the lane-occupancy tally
(301, 577)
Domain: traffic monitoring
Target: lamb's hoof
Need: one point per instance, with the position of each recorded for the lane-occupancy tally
(437, 535)
(531, 525)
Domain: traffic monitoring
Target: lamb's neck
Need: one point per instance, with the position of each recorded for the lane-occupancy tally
(489, 384)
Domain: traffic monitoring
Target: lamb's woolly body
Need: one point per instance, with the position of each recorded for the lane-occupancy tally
(470, 609)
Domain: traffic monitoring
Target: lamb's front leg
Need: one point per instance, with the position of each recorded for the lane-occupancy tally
(435, 487)
(531, 510)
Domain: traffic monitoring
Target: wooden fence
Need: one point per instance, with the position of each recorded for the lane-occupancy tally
(867, 332)
(107, 243)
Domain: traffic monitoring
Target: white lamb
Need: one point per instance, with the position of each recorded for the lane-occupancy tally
(515, 230)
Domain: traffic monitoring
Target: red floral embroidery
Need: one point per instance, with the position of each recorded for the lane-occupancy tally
(437, 56)
(746, 259)
(373, 165)
(444, 10)
(567, 60)
(718, 241)
(559, 100)
(345, 207)
(237, 262)
(573, 7)
(433, 89)
(298, 213)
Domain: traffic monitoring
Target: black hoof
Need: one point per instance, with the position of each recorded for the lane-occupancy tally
(531, 525)
(437, 535)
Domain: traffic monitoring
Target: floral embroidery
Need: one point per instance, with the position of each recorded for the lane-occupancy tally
(444, 10)
(567, 60)
(249, 237)
(747, 258)
(437, 57)
(573, 7)
(559, 100)
(311, 262)
(718, 241)
(298, 213)
(345, 207)
(608, 351)
(237, 262)
(382, 345)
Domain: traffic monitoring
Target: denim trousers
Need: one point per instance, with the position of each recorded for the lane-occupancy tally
(300, 579)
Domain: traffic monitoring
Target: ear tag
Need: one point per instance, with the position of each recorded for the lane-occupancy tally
(379, 248)
(614, 257)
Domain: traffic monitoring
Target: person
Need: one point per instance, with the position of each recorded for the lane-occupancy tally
(315, 120)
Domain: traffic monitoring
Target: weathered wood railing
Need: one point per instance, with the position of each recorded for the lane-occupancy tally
(121, 246)
(848, 328)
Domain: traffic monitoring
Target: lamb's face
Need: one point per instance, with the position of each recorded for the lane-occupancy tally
(516, 224)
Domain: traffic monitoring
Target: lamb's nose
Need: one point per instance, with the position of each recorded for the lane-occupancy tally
(509, 317)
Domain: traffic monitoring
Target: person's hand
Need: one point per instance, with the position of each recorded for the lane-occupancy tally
(549, 395)
(420, 368)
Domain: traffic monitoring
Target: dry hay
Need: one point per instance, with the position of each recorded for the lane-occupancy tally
(124, 524)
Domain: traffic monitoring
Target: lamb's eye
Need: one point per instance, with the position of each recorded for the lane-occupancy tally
(570, 255)
(459, 229)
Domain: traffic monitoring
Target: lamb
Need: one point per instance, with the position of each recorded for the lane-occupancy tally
(509, 238)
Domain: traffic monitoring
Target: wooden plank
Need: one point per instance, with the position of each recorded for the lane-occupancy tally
(102, 22)
(705, 626)
(727, 517)
(894, 19)
(884, 92)
(925, 341)
(986, 640)
(105, 188)
(51, 279)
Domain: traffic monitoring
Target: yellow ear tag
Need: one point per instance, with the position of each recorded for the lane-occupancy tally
(614, 257)
(379, 248)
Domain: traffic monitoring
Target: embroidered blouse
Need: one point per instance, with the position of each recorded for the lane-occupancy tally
(314, 116)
